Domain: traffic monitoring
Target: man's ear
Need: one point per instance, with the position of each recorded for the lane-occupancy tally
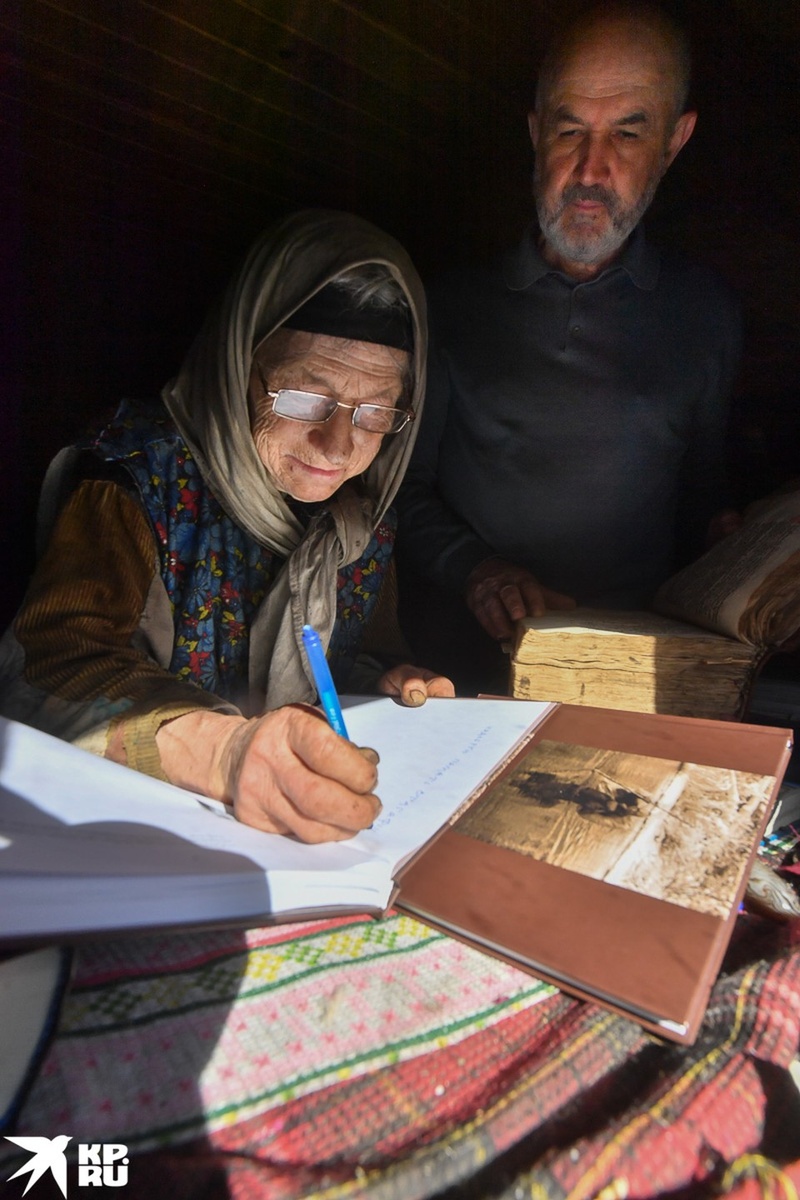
(684, 128)
(533, 128)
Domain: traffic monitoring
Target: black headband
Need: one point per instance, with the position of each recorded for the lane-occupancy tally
(331, 311)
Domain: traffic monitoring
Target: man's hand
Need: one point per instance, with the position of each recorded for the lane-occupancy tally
(723, 523)
(500, 593)
(285, 772)
(413, 685)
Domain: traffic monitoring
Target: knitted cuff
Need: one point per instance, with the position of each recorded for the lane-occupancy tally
(139, 736)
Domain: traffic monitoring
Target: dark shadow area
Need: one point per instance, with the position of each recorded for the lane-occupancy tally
(107, 877)
(775, 700)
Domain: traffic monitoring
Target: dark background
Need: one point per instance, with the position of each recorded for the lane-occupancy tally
(144, 144)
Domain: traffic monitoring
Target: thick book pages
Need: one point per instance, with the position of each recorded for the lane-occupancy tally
(699, 652)
(747, 586)
(633, 660)
(87, 846)
(609, 856)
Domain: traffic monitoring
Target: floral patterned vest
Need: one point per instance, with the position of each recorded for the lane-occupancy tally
(215, 574)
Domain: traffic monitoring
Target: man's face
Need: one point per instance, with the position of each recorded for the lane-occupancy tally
(310, 461)
(603, 139)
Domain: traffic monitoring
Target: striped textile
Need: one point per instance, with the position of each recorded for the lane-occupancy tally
(355, 1058)
(782, 845)
(165, 1038)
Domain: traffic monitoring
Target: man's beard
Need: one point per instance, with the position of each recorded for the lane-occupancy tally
(583, 242)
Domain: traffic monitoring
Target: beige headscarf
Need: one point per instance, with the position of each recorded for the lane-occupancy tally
(208, 401)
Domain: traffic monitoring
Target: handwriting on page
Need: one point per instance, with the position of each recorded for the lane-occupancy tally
(431, 759)
(397, 801)
(434, 777)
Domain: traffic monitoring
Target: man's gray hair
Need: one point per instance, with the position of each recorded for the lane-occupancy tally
(638, 14)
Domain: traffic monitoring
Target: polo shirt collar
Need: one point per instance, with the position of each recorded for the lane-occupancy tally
(525, 266)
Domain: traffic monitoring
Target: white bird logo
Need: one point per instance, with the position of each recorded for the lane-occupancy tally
(48, 1155)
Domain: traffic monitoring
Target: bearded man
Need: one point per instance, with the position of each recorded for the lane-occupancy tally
(573, 444)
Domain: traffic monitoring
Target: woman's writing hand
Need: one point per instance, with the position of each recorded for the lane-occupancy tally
(413, 685)
(285, 772)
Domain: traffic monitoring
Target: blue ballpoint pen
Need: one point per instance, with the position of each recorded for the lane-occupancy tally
(326, 688)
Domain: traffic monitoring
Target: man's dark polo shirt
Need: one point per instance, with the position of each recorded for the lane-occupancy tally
(577, 429)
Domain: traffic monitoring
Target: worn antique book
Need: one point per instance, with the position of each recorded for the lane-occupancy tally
(604, 851)
(699, 652)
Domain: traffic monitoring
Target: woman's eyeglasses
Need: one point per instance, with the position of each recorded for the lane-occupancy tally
(308, 406)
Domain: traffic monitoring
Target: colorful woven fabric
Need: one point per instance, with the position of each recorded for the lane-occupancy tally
(782, 845)
(354, 1058)
(558, 1100)
(165, 1038)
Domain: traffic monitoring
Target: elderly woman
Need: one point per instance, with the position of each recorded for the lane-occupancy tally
(197, 536)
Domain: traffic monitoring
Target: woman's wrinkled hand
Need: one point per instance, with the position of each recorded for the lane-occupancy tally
(285, 772)
(413, 685)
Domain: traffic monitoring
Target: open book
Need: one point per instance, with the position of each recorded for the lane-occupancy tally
(604, 851)
(698, 653)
